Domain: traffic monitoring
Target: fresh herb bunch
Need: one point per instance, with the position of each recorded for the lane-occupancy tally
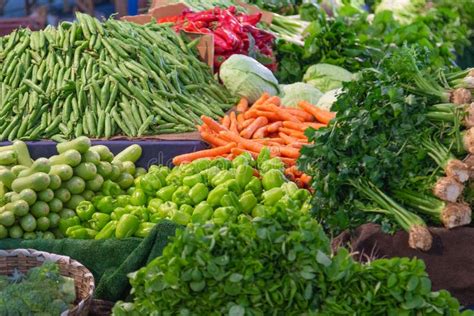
(285, 7)
(375, 134)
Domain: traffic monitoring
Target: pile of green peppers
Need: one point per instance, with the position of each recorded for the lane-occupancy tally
(205, 190)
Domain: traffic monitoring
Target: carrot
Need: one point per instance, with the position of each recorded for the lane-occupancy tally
(225, 121)
(293, 125)
(213, 139)
(247, 123)
(233, 123)
(230, 156)
(213, 125)
(204, 153)
(282, 113)
(264, 97)
(302, 115)
(247, 144)
(271, 116)
(270, 140)
(260, 133)
(292, 132)
(243, 105)
(316, 125)
(321, 115)
(272, 128)
(274, 100)
(240, 121)
(250, 130)
(287, 138)
(305, 179)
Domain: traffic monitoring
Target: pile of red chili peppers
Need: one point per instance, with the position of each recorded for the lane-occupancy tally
(234, 33)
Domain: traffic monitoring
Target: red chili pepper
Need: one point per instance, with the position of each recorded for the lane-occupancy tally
(220, 45)
(230, 37)
(250, 19)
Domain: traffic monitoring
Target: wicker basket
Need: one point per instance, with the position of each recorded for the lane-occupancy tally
(25, 259)
(100, 308)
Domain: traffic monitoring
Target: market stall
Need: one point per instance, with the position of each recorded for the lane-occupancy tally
(241, 158)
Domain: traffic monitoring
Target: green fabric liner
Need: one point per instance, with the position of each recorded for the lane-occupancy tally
(109, 260)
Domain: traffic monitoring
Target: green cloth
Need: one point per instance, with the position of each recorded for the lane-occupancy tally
(109, 260)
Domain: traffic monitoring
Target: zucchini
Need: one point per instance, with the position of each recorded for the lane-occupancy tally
(6, 177)
(23, 155)
(104, 152)
(55, 182)
(40, 165)
(104, 168)
(81, 144)
(131, 153)
(86, 171)
(19, 207)
(37, 182)
(8, 157)
(17, 169)
(28, 195)
(46, 195)
(74, 201)
(75, 185)
(91, 156)
(71, 157)
(62, 194)
(95, 184)
(64, 172)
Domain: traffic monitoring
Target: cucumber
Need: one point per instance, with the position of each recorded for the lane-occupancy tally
(81, 144)
(62, 194)
(23, 154)
(3, 190)
(55, 182)
(7, 218)
(64, 172)
(28, 195)
(40, 165)
(40, 209)
(104, 168)
(7, 177)
(11, 196)
(19, 208)
(131, 153)
(95, 184)
(55, 205)
(37, 182)
(88, 195)
(53, 220)
(91, 156)
(15, 232)
(125, 180)
(115, 172)
(86, 171)
(8, 157)
(74, 201)
(104, 152)
(140, 172)
(129, 167)
(75, 185)
(17, 169)
(46, 195)
(67, 213)
(71, 157)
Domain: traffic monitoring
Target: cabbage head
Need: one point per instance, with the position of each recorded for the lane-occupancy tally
(328, 99)
(327, 77)
(293, 93)
(245, 77)
(404, 11)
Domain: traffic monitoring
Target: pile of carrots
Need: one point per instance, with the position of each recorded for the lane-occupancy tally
(267, 123)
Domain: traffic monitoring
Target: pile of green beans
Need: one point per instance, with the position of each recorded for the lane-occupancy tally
(103, 79)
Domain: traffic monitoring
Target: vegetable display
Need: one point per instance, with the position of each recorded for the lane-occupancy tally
(280, 263)
(103, 79)
(205, 190)
(43, 290)
(39, 198)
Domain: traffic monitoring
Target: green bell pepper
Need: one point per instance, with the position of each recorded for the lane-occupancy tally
(144, 229)
(156, 217)
(248, 201)
(188, 209)
(259, 211)
(223, 214)
(181, 196)
(222, 163)
(127, 226)
(289, 188)
(123, 200)
(210, 173)
(201, 164)
(273, 179)
(231, 199)
(167, 209)
(255, 185)
(271, 164)
(150, 183)
(154, 205)
(272, 196)
(198, 193)
(107, 231)
(138, 197)
(181, 218)
(142, 213)
(301, 195)
(214, 197)
(243, 175)
(84, 210)
(242, 160)
(202, 212)
(105, 205)
(99, 220)
(111, 188)
(191, 181)
(166, 193)
(119, 212)
(64, 224)
(81, 233)
(233, 186)
(221, 177)
(263, 156)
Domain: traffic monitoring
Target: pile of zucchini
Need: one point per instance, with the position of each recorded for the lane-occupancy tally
(35, 195)
(103, 79)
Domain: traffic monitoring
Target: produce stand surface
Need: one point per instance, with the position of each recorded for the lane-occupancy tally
(154, 151)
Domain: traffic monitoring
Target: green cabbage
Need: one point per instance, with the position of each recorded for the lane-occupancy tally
(291, 94)
(403, 11)
(327, 77)
(245, 77)
(328, 99)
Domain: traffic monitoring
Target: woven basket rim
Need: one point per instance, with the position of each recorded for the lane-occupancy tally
(47, 256)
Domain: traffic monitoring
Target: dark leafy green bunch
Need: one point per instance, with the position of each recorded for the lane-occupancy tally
(277, 265)
(376, 136)
(285, 7)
